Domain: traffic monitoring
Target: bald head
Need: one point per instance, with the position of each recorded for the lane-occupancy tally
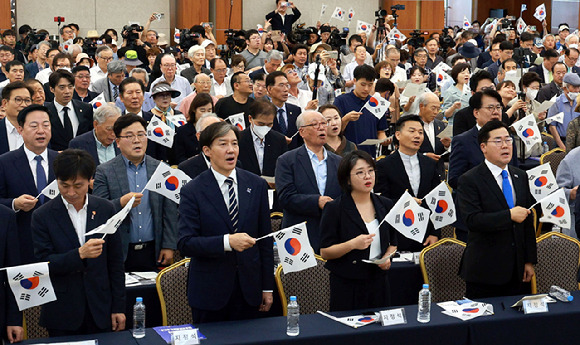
(204, 121)
(429, 106)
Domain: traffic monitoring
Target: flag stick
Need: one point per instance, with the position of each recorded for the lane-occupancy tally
(293, 135)
(269, 235)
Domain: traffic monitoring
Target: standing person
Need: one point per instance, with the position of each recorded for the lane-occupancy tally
(350, 233)
(168, 69)
(82, 76)
(457, 96)
(287, 114)
(494, 201)
(335, 141)
(280, 20)
(15, 97)
(109, 86)
(253, 53)
(86, 272)
(239, 101)
(222, 211)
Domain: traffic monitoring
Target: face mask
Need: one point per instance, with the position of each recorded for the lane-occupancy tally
(510, 74)
(261, 131)
(572, 95)
(531, 94)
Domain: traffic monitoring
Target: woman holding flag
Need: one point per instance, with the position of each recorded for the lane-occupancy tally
(355, 240)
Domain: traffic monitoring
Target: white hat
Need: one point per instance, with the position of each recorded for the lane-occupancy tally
(321, 72)
(206, 43)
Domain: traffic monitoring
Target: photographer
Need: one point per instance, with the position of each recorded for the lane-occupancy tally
(280, 20)
(132, 41)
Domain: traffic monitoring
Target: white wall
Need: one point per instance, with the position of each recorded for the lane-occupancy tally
(456, 10)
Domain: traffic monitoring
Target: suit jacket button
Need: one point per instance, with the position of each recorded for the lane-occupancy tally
(354, 262)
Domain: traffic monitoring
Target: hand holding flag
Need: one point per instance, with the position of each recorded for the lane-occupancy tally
(408, 218)
(50, 191)
(167, 182)
(441, 203)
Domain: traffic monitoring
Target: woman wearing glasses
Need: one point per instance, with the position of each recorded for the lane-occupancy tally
(351, 231)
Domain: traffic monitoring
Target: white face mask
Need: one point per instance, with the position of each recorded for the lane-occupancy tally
(572, 95)
(261, 131)
(510, 74)
(531, 93)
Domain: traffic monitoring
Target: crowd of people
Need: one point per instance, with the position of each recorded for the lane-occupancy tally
(302, 93)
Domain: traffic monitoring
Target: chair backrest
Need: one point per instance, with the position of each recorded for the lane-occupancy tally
(439, 265)
(448, 231)
(554, 156)
(32, 329)
(311, 288)
(558, 260)
(549, 139)
(276, 220)
(172, 290)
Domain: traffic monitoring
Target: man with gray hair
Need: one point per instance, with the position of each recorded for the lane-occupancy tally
(100, 142)
(41, 63)
(199, 163)
(148, 103)
(273, 61)
(432, 146)
(109, 86)
(104, 55)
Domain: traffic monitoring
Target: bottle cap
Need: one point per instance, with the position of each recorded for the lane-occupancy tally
(570, 298)
(292, 298)
(139, 299)
(425, 286)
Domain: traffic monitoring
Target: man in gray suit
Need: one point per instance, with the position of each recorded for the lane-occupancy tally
(149, 234)
(109, 86)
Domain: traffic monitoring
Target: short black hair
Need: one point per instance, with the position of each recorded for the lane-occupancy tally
(215, 131)
(417, 68)
(506, 45)
(457, 57)
(213, 62)
(250, 32)
(526, 36)
(483, 134)
(550, 53)
(24, 113)
(199, 100)
(271, 78)
(235, 78)
(366, 72)
(460, 67)
(559, 63)
(355, 37)
(475, 101)
(126, 121)
(401, 121)
(79, 68)
(261, 107)
(6, 48)
(7, 90)
(72, 163)
(8, 32)
(477, 77)
(432, 39)
(298, 47)
(508, 60)
(59, 74)
(384, 84)
(528, 78)
(347, 164)
(131, 80)
(258, 76)
(11, 64)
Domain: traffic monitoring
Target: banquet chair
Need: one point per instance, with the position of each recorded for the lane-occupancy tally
(172, 290)
(32, 330)
(310, 286)
(439, 265)
(276, 220)
(448, 231)
(554, 156)
(549, 139)
(558, 261)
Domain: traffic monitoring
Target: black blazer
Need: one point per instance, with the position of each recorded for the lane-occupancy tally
(464, 120)
(292, 113)
(4, 146)
(84, 112)
(539, 71)
(426, 145)
(97, 283)
(496, 247)
(88, 143)
(185, 144)
(274, 147)
(90, 96)
(276, 20)
(548, 91)
(9, 256)
(342, 222)
(196, 165)
(392, 181)
(156, 150)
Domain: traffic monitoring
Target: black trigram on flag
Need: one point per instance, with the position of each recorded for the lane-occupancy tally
(407, 204)
(288, 261)
(421, 216)
(37, 274)
(450, 213)
(544, 172)
(51, 192)
(397, 219)
(177, 196)
(25, 296)
(158, 185)
(18, 277)
(550, 206)
(415, 231)
(305, 257)
(43, 292)
(441, 193)
(280, 235)
(438, 218)
(297, 231)
(165, 174)
(433, 201)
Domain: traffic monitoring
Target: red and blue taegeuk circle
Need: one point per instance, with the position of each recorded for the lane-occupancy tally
(292, 246)
(558, 212)
(408, 218)
(158, 132)
(528, 133)
(30, 283)
(541, 181)
(172, 183)
(442, 206)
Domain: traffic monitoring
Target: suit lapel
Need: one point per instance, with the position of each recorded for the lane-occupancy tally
(214, 195)
(424, 180)
(121, 172)
(23, 167)
(245, 192)
(62, 218)
(248, 141)
(331, 178)
(491, 183)
(518, 181)
(399, 166)
(352, 212)
(306, 165)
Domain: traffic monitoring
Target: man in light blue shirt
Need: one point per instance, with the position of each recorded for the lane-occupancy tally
(565, 103)
(177, 82)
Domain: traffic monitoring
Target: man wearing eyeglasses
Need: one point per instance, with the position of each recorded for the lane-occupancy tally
(16, 96)
(109, 86)
(219, 87)
(306, 177)
(104, 55)
(239, 101)
(177, 82)
(149, 234)
(494, 199)
(82, 76)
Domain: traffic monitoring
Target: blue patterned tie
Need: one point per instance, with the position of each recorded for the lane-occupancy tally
(507, 189)
(283, 126)
(40, 178)
(233, 203)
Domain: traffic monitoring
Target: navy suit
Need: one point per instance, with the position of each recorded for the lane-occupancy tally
(292, 113)
(298, 191)
(539, 71)
(195, 165)
(88, 143)
(32, 69)
(203, 222)
(274, 147)
(9, 256)
(98, 283)
(59, 139)
(4, 146)
(16, 179)
(185, 144)
(439, 149)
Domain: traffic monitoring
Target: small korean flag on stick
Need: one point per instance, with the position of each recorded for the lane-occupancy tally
(167, 182)
(395, 34)
(540, 12)
(408, 218)
(521, 25)
(528, 131)
(31, 285)
(159, 132)
(363, 26)
(50, 191)
(466, 23)
(377, 105)
(558, 118)
(113, 223)
(176, 36)
(323, 10)
(441, 203)
(542, 181)
(66, 45)
(294, 248)
(350, 14)
(98, 101)
(238, 121)
(338, 14)
(177, 120)
(556, 210)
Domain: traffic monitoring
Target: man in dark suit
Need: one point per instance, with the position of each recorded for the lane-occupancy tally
(68, 117)
(286, 113)
(109, 86)
(199, 163)
(570, 58)
(15, 97)
(306, 177)
(86, 272)
(100, 142)
(149, 233)
(25, 172)
(260, 147)
(494, 201)
(544, 70)
(132, 94)
(406, 169)
(432, 146)
(10, 317)
(280, 20)
(82, 82)
(553, 88)
(222, 211)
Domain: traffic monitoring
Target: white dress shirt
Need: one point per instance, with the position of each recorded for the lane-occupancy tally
(14, 138)
(496, 172)
(259, 145)
(221, 181)
(78, 218)
(375, 249)
(72, 115)
(430, 131)
(219, 90)
(96, 74)
(32, 163)
(413, 170)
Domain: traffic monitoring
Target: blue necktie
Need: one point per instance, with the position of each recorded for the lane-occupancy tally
(40, 178)
(283, 126)
(233, 203)
(507, 189)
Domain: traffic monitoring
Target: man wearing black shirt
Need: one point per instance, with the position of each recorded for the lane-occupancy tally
(240, 101)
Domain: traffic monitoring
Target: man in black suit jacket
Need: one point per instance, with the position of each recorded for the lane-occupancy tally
(554, 88)
(571, 55)
(432, 146)
(494, 201)
(199, 163)
(280, 20)
(20, 182)
(100, 142)
(10, 317)
(260, 147)
(286, 114)
(86, 272)
(550, 58)
(68, 117)
(222, 211)
(16, 96)
(406, 169)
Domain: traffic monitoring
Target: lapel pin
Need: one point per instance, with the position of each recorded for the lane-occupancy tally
(93, 216)
(516, 176)
(249, 190)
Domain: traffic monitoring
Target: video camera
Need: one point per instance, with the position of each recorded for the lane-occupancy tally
(417, 40)
(337, 38)
(394, 9)
(446, 41)
(33, 38)
(131, 33)
(188, 39)
(299, 35)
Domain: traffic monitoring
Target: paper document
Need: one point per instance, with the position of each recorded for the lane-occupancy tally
(269, 179)
(543, 107)
(146, 275)
(373, 141)
(414, 89)
(379, 261)
(446, 133)
(521, 301)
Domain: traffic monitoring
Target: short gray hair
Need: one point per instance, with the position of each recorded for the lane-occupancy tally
(544, 39)
(200, 74)
(102, 49)
(105, 111)
(116, 66)
(570, 37)
(274, 55)
(424, 98)
(202, 119)
(194, 49)
(44, 43)
(300, 119)
(140, 70)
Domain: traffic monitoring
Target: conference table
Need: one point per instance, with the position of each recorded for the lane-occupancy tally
(506, 326)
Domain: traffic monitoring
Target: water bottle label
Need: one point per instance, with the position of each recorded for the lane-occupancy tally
(536, 305)
(393, 317)
(185, 337)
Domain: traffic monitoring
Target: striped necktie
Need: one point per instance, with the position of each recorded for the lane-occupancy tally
(232, 203)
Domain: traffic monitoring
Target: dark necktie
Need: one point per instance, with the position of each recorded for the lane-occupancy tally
(283, 126)
(233, 203)
(40, 178)
(507, 189)
(115, 93)
(68, 130)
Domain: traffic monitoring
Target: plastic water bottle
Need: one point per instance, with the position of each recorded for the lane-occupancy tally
(545, 147)
(424, 310)
(556, 228)
(560, 294)
(139, 318)
(293, 328)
